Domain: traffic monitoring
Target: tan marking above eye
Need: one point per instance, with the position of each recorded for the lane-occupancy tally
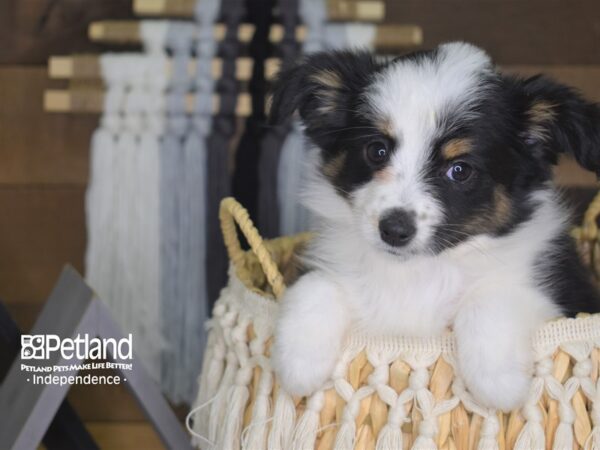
(542, 111)
(502, 206)
(456, 147)
(385, 126)
(334, 167)
(330, 84)
(327, 78)
(494, 216)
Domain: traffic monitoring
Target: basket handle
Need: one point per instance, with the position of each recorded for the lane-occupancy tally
(589, 230)
(232, 212)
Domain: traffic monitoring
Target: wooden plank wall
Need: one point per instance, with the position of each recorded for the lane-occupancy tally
(44, 157)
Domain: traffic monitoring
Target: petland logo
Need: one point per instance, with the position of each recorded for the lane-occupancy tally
(44, 346)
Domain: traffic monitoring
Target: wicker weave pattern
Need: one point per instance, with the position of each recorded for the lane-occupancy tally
(389, 392)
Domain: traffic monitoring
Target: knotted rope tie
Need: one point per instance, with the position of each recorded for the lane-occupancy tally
(305, 433)
(256, 434)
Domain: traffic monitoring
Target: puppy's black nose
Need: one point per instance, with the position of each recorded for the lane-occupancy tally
(397, 227)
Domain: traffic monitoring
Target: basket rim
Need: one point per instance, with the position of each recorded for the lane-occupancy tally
(555, 333)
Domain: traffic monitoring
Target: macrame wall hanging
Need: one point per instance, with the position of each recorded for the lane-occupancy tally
(268, 211)
(161, 163)
(294, 217)
(247, 155)
(218, 162)
(292, 171)
(147, 196)
(122, 260)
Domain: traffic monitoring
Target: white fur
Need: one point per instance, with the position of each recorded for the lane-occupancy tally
(483, 288)
(414, 98)
(310, 330)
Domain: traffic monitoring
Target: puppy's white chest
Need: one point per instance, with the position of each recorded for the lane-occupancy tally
(412, 299)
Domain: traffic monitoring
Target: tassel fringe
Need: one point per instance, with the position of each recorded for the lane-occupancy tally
(284, 417)
(390, 437)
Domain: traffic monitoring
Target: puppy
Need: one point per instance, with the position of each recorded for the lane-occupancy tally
(432, 184)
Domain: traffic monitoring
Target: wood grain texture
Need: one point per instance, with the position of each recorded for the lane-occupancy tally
(41, 229)
(36, 147)
(32, 30)
(513, 31)
(586, 78)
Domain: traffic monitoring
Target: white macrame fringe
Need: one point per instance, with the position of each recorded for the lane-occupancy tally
(424, 443)
(531, 436)
(256, 432)
(346, 435)
(563, 438)
(217, 412)
(593, 440)
(305, 433)
(390, 437)
(284, 418)
(488, 443)
(307, 428)
(278, 428)
(229, 438)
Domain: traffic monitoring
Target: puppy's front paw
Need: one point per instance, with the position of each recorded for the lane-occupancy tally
(308, 337)
(493, 330)
(503, 389)
(301, 370)
(498, 372)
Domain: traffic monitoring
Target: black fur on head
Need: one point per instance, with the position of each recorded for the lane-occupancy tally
(561, 121)
(431, 149)
(324, 88)
(429, 111)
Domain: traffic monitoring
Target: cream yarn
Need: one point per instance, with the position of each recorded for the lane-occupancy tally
(233, 355)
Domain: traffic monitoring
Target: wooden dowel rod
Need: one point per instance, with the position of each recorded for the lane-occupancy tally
(128, 32)
(88, 67)
(115, 31)
(173, 8)
(91, 101)
(337, 10)
(81, 101)
(355, 10)
(387, 37)
(391, 37)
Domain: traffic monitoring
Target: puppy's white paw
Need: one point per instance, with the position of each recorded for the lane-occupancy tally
(497, 372)
(301, 370)
(505, 390)
(493, 331)
(310, 328)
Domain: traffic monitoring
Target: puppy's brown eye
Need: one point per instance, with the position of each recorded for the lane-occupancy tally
(459, 171)
(377, 152)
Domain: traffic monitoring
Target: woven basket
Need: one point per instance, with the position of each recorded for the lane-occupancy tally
(386, 394)
(587, 236)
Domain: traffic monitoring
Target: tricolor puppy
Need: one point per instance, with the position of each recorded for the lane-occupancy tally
(432, 183)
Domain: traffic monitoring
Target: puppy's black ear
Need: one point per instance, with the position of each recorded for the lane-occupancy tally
(323, 87)
(559, 120)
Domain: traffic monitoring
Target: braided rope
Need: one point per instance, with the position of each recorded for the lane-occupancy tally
(589, 229)
(388, 392)
(230, 213)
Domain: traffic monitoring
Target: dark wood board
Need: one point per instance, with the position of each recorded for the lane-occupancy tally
(37, 147)
(41, 229)
(512, 31)
(32, 30)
